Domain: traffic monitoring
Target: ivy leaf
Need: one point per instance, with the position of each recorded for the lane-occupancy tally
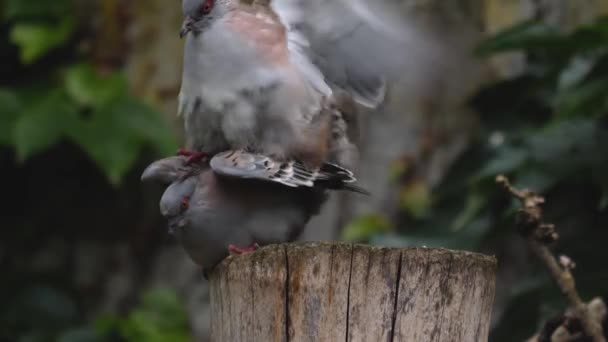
(89, 88)
(43, 124)
(115, 134)
(112, 147)
(115, 155)
(36, 39)
(120, 126)
(9, 111)
(150, 125)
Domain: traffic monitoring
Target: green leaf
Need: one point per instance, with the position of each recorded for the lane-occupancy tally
(36, 9)
(564, 145)
(531, 34)
(589, 38)
(415, 198)
(575, 72)
(115, 134)
(10, 107)
(107, 323)
(110, 146)
(36, 39)
(161, 317)
(588, 99)
(365, 227)
(475, 202)
(506, 160)
(146, 123)
(89, 88)
(43, 124)
(119, 126)
(536, 177)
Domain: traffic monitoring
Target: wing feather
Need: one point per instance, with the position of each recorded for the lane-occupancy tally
(355, 44)
(292, 173)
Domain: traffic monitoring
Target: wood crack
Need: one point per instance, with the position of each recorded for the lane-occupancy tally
(350, 276)
(396, 299)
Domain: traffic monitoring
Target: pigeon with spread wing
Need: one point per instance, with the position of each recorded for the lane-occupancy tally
(258, 77)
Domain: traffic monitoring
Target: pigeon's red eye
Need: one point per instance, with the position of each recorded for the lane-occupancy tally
(185, 203)
(207, 7)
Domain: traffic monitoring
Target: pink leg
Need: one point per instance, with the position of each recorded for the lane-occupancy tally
(193, 156)
(234, 250)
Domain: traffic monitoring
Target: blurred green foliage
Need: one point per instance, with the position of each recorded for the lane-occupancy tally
(160, 317)
(546, 129)
(41, 314)
(70, 97)
(55, 88)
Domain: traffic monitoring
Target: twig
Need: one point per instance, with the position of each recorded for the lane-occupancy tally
(539, 234)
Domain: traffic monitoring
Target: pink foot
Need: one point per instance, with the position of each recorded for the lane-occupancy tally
(234, 250)
(193, 156)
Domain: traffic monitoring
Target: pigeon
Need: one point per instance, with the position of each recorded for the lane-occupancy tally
(258, 78)
(238, 200)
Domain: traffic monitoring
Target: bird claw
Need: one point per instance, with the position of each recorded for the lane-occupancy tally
(234, 250)
(193, 156)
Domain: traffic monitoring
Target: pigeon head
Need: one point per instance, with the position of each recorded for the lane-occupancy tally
(199, 14)
(176, 201)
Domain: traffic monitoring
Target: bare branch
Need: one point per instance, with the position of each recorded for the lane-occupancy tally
(539, 234)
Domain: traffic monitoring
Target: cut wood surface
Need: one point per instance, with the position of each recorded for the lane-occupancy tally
(346, 292)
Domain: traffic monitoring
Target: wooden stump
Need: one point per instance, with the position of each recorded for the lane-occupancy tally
(344, 292)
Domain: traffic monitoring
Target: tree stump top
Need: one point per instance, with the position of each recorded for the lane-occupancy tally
(347, 292)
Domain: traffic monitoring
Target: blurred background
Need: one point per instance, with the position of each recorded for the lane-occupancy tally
(87, 99)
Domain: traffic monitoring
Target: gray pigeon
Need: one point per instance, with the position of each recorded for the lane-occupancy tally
(239, 200)
(258, 78)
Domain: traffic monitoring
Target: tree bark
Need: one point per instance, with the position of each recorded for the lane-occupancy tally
(345, 292)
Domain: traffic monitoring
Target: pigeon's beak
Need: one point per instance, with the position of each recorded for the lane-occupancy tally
(176, 223)
(186, 27)
(173, 225)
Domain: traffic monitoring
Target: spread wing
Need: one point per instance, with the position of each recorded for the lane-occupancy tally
(241, 164)
(356, 44)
